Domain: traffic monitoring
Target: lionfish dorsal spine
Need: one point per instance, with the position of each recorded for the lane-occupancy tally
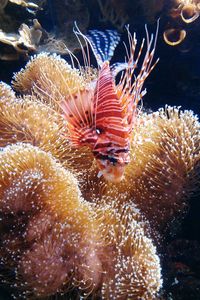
(103, 44)
(130, 87)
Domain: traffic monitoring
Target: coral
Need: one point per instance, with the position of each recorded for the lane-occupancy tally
(62, 227)
(49, 76)
(24, 3)
(54, 241)
(6, 91)
(181, 13)
(13, 44)
(155, 148)
(152, 8)
(115, 12)
(48, 233)
(9, 23)
(28, 40)
(174, 36)
(188, 10)
(46, 219)
(133, 254)
(18, 39)
(164, 168)
(31, 121)
(120, 13)
(23, 43)
(65, 13)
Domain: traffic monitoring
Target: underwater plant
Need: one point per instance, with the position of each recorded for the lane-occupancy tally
(120, 13)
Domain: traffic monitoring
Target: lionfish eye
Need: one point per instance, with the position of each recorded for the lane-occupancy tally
(99, 130)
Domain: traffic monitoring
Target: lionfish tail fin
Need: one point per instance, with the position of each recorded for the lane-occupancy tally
(103, 44)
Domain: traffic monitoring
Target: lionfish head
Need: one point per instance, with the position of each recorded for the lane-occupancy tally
(112, 168)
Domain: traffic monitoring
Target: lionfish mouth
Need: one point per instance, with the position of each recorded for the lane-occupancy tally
(112, 173)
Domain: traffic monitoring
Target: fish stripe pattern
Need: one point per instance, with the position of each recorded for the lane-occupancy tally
(103, 44)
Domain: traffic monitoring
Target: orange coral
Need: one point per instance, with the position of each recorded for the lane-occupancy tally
(31, 121)
(163, 171)
(155, 147)
(50, 76)
(53, 238)
(57, 241)
(6, 91)
(134, 258)
(54, 232)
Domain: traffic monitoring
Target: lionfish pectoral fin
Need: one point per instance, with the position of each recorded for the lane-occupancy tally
(77, 111)
(103, 44)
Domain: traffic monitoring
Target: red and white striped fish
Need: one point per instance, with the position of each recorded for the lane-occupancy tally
(103, 116)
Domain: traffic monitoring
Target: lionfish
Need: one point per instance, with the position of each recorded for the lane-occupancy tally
(103, 116)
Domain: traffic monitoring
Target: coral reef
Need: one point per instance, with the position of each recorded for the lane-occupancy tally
(177, 15)
(163, 172)
(164, 168)
(47, 232)
(28, 120)
(13, 44)
(115, 12)
(55, 241)
(62, 227)
(20, 45)
(158, 140)
(66, 13)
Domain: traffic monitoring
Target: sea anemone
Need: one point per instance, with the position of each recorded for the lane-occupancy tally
(50, 77)
(48, 235)
(6, 91)
(154, 174)
(54, 241)
(133, 255)
(164, 168)
(29, 120)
